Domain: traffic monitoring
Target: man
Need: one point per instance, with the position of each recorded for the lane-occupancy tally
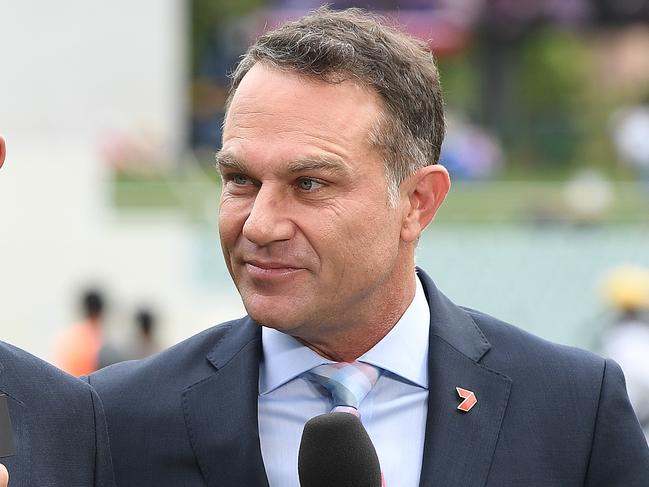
(331, 138)
(79, 348)
(59, 429)
(145, 342)
(626, 339)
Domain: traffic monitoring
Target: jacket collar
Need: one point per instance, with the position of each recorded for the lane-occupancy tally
(221, 410)
(451, 324)
(459, 446)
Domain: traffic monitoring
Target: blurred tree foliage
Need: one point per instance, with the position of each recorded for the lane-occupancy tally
(533, 93)
(208, 16)
(552, 73)
(460, 83)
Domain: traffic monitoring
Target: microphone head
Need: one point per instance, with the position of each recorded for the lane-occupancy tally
(336, 451)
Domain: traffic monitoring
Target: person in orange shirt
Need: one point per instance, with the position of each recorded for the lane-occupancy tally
(77, 349)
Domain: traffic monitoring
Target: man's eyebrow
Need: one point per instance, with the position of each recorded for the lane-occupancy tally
(325, 163)
(225, 160)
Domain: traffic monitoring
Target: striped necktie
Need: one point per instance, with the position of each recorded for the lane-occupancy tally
(347, 382)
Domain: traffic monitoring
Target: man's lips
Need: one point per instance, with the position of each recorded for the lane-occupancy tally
(271, 264)
(270, 268)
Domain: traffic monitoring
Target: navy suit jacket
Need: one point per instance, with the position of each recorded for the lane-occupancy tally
(547, 415)
(58, 422)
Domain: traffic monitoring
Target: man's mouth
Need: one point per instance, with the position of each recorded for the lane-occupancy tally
(268, 268)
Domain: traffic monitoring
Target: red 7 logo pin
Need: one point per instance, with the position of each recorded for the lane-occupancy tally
(469, 399)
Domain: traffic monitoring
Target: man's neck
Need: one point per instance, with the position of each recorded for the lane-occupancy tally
(349, 343)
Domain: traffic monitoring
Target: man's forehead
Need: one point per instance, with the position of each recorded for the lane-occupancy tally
(291, 123)
(284, 80)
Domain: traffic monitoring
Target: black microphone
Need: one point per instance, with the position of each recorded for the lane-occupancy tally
(336, 451)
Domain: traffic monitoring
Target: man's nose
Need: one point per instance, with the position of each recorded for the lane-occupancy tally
(269, 219)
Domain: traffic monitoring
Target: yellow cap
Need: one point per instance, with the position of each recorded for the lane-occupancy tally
(627, 287)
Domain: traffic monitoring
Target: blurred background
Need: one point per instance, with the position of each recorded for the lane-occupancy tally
(112, 114)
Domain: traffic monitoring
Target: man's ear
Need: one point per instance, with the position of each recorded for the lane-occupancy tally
(3, 151)
(425, 190)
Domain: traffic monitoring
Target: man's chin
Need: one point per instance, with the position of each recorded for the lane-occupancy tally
(284, 311)
(272, 317)
(270, 320)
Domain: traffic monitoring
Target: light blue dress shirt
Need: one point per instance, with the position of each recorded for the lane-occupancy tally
(393, 413)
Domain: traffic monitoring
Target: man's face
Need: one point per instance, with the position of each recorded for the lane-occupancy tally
(307, 232)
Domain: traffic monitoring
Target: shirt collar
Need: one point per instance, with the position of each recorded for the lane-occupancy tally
(403, 351)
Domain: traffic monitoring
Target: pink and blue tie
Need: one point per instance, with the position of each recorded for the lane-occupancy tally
(347, 382)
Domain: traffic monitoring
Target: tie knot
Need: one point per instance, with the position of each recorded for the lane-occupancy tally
(348, 383)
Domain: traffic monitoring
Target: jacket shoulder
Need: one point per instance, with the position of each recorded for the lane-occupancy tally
(172, 369)
(36, 382)
(513, 347)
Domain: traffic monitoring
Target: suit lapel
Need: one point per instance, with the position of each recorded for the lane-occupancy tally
(221, 411)
(459, 447)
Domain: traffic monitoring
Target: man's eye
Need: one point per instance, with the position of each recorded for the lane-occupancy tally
(239, 179)
(309, 184)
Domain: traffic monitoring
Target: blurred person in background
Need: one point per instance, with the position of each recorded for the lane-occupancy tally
(110, 353)
(627, 339)
(142, 343)
(329, 162)
(630, 128)
(145, 342)
(469, 151)
(77, 350)
(58, 428)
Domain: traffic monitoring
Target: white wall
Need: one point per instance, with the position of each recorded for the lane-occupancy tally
(80, 69)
